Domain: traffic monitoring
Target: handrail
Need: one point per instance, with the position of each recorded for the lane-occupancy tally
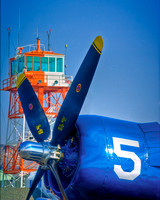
(38, 79)
(31, 47)
(9, 82)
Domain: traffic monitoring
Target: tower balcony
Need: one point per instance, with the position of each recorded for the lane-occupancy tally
(39, 78)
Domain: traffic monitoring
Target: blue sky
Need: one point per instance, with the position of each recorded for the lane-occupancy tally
(127, 81)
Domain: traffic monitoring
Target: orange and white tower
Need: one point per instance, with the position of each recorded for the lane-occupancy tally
(46, 73)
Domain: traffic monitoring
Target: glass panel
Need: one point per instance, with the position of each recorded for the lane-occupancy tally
(51, 64)
(29, 63)
(15, 67)
(36, 63)
(20, 64)
(44, 64)
(59, 64)
(12, 67)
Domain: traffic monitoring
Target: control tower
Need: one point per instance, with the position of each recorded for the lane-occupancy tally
(46, 72)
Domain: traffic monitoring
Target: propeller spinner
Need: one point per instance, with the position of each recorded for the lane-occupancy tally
(45, 153)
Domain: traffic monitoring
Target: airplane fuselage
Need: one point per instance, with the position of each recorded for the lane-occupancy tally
(117, 160)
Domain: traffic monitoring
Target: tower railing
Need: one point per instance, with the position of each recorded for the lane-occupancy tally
(38, 78)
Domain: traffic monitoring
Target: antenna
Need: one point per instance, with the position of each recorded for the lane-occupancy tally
(65, 66)
(19, 30)
(37, 33)
(9, 40)
(49, 34)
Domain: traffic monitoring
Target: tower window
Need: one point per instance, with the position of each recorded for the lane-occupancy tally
(44, 64)
(36, 63)
(51, 64)
(20, 64)
(29, 63)
(14, 65)
(59, 64)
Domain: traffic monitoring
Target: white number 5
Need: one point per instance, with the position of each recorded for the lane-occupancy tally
(117, 142)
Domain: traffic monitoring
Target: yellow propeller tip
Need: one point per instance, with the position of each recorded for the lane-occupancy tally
(20, 80)
(98, 44)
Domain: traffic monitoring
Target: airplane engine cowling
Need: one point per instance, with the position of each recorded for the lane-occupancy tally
(111, 161)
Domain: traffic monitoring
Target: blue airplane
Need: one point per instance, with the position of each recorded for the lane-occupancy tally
(90, 157)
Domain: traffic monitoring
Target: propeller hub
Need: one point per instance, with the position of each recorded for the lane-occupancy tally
(40, 153)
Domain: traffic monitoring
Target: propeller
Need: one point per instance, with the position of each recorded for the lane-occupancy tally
(34, 113)
(44, 153)
(35, 182)
(73, 102)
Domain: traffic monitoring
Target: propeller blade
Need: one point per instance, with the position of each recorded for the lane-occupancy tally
(52, 166)
(45, 179)
(73, 102)
(35, 182)
(35, 116)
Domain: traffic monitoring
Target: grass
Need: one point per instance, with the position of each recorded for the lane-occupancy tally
(17, 194)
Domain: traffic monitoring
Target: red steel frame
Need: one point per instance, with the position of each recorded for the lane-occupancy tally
(50, 98)
(13, 164)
